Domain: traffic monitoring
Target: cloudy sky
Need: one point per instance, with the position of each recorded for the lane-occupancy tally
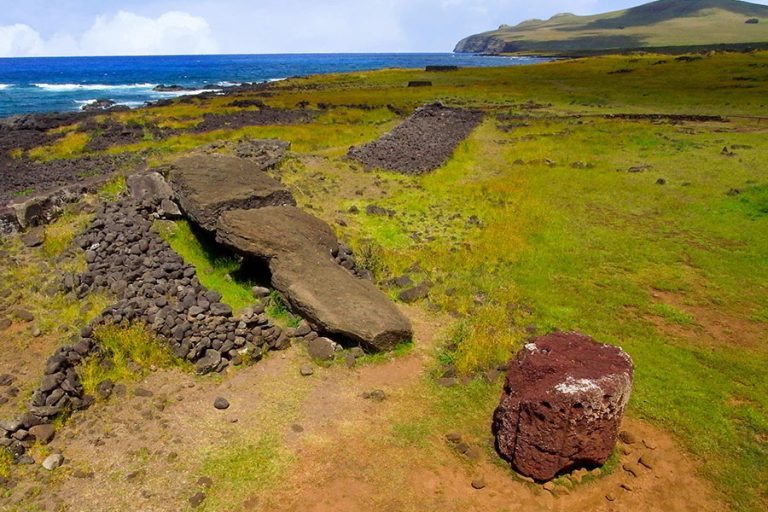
(151, 27)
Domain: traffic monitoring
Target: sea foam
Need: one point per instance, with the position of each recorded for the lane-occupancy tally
(90, 87)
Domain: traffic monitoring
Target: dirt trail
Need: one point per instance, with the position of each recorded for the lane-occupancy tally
(147, 453)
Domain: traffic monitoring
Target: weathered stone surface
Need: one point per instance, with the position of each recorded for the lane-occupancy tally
(320, 348)
(563, 400)
(34, 237)
(53, 461)
(298, 249)
(208, 185)
(43, 433)
(150, 185)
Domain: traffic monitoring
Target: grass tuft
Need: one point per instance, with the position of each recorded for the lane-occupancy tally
(129, 353)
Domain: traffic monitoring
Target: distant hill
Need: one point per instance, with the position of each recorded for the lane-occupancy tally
(665, 24)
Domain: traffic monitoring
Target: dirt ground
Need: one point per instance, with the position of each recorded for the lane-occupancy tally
(327, 449)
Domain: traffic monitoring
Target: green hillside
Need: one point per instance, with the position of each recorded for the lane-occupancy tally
(664, 24)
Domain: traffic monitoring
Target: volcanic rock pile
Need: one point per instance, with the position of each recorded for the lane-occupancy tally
(563, 400)
(422, 143)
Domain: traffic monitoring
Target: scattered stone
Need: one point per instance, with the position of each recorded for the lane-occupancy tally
(34, 237)
(661, 181)
(648, 460)
(453, 437)
(53, 461)
(377, 395)
(349, 360)
(306, 370)
(650, 444)
(205, 481)
(447, 382)
(549, 486)
(414, 294)
(23, 315)
(44, 433)
(631, 468)
(143, 392)
(321, 349)
(221, 403)
(628, 437)
(196, 499)
(259, 292)
(357, 352)
(297, 428)
(610, 497)
(104, 388)
(478, 483)
(474, 453)
(627, 486)
(563, 401)
(4, 324)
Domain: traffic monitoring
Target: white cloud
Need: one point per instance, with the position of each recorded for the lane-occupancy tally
(129, 34)
(124, 33)
(20, 41)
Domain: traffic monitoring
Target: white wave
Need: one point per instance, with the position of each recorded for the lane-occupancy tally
(225, 83)
(131, 104)
(90, 87)
(5, 86)
(85, 102)
(275, 79)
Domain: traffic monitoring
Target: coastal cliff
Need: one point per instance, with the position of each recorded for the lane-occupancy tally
(664, 25)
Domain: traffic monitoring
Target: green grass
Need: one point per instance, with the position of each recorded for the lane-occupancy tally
(59, 234)
(112, 189)
(216, 269)
(6, 459)
(245, 468)
(672, 314)
(127, 349)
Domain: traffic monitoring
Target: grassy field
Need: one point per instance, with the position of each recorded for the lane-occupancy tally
(670, 262)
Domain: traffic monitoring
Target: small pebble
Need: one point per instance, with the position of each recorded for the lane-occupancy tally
(221, 403)
(453, 437)
(478, 483)
(196, 499)
(306, 370)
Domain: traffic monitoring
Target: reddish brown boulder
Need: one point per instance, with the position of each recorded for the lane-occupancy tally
(563, 400)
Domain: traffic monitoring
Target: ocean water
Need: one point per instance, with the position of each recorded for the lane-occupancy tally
(68, 83)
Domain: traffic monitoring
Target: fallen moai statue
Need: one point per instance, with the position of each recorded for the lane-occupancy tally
(208, 185)
(299, 249)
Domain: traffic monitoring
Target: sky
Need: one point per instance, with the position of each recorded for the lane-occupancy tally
(167, 27)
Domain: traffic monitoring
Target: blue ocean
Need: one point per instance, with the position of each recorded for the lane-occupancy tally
(67, 83)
